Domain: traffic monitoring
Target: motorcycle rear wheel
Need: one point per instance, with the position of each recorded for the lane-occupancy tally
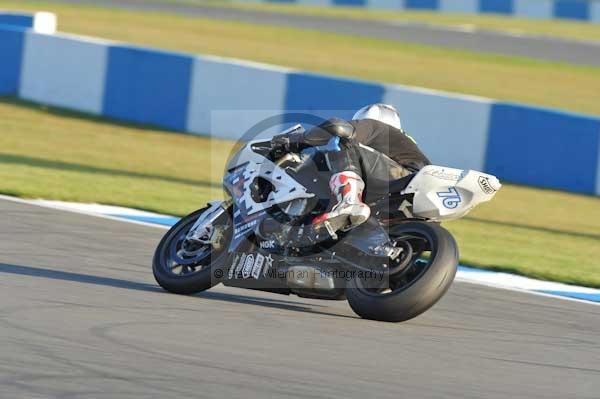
(416, 288)
(181, 268)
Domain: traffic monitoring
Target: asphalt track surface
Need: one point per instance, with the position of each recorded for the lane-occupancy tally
(81, 317)
(536, 47)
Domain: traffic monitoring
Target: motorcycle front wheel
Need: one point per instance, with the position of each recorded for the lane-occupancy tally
(184, 267)
(428, 275)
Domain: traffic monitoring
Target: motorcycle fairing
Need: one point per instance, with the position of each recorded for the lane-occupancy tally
(442, 193)
(249, 165)
(249, 210)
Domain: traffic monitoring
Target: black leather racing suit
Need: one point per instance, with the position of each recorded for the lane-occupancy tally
(348, 146)
(370, 148)
(389, 141)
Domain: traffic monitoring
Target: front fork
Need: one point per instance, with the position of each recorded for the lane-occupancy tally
(204, 231)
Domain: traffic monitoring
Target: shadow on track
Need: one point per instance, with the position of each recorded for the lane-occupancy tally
(132, 285)
(76, 277)
(270, 303)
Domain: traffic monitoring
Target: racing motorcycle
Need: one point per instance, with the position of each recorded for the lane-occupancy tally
(392, 268)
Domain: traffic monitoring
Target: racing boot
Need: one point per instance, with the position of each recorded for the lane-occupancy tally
(349, 211)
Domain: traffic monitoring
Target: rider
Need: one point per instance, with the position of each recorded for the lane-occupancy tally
(345, 144)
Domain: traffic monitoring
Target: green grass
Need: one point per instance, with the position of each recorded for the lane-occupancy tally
(565, 86)
(54, 154)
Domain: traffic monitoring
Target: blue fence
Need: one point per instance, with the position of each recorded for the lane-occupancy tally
(223, 97)
(23, 20)
(579, 10)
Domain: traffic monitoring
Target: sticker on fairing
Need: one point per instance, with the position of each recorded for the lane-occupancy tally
(450, 199)
(258, 266)
(236, 265)
(486, 187)
(248, 265)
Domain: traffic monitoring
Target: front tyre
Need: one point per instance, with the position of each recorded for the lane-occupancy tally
(184, 267)
(429, 274)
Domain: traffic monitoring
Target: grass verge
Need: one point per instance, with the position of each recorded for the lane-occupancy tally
(53, 154)
(549, 84)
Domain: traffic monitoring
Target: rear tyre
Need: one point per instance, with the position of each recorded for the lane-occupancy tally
(416, 288)
(186, 268)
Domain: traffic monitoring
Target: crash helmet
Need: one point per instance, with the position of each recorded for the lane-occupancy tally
(384, 113)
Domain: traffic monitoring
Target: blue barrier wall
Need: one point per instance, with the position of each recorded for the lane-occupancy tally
(204, 94)
(496, 7)
(311, 92)
(64, 71)
(579, 10)
(24, 20)
(11, 48)
(221, 88)
(148, 86)
(543, 147)
(538, 9)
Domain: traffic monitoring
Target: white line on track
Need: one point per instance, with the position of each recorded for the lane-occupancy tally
(45, 204)
(502, 287)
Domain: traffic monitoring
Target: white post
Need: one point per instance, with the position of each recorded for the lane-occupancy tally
(44, 22)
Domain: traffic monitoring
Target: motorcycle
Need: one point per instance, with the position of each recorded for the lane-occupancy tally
(391, 268)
